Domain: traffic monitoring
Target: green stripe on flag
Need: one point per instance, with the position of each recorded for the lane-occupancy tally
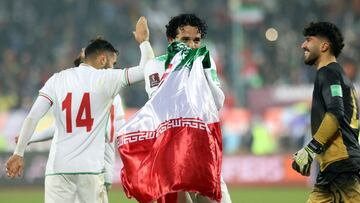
(336, 90)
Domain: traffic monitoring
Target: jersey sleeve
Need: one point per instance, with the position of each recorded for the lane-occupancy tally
(214, 84)
(115, 79)
(38, 110)
(212, 73)
(332, 93)
(153, 72)
(136, 74)
(48, 90)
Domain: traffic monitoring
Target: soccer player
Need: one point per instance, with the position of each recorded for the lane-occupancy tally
(116, 120)
(334, 120)
(80, 98)
(190, 29)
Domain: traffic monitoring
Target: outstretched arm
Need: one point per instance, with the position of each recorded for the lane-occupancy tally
(141, 35)
(15, 164)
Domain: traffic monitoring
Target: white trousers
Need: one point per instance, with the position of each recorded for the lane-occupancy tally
(79, 188)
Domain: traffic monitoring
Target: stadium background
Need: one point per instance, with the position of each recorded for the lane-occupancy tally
(255, 43)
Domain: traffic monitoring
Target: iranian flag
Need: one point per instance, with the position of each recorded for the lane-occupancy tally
(174, 142)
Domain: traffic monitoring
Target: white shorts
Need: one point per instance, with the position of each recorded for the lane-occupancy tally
(84, 188)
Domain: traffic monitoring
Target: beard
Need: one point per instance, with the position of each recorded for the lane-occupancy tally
(311, 59)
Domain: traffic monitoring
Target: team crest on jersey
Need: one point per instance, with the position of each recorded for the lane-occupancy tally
(154, 80)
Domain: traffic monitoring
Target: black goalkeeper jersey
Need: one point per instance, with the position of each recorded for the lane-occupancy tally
(334, 93)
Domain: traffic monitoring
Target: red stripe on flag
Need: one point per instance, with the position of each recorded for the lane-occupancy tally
(178, 159)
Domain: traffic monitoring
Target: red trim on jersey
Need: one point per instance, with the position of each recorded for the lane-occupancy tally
(112, 118)
(47, 97)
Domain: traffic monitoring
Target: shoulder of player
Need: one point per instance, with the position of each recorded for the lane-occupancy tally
(157, 60)
(161, 58)
(155, 63)
(330, 71)
(68, 71)
(332, 68)
(60, 73)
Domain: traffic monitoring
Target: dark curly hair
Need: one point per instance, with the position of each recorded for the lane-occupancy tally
(329, 31)
(183, 20)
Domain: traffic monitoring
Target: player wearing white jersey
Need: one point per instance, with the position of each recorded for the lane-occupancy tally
(81, 98)
(190, 29)
(115, 121)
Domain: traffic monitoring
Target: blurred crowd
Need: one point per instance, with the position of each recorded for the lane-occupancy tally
(38, 38)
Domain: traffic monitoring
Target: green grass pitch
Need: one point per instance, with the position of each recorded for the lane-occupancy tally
(238, 195)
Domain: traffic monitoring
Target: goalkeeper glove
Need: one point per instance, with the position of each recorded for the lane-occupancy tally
(304, 157)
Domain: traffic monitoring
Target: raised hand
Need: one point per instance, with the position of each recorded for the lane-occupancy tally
(141, 32)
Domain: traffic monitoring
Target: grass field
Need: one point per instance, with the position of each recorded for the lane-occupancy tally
(238, 195)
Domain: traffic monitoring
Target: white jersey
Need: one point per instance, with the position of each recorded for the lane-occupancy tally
(115, 122)
(81, 99)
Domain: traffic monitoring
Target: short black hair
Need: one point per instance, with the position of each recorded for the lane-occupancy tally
(98, 45)
(329, 31)
(77, 61)
(183, 20)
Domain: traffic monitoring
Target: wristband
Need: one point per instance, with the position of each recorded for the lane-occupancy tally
(316, 146)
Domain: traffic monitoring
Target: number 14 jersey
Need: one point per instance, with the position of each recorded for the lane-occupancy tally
(81, 98)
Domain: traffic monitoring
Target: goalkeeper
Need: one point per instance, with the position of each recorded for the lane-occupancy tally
(334, 120)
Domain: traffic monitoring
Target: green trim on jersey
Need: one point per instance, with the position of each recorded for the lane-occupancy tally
(214, 76)
(79, 173)
(162, 57)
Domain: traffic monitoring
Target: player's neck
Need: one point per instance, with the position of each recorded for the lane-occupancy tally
(325, 60)
(92, 64)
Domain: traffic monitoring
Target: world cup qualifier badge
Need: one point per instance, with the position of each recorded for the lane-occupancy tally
(154, 79)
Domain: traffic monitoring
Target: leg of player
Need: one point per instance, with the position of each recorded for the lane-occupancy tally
(60, 184)
(339, 190)
(91, 189)
(196, 198)
(184, 197)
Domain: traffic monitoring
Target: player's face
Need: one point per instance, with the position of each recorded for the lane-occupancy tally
(189, 35)
(111, 59)
(311, 47)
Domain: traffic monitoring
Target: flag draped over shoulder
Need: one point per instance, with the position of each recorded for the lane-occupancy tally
(174, 142)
